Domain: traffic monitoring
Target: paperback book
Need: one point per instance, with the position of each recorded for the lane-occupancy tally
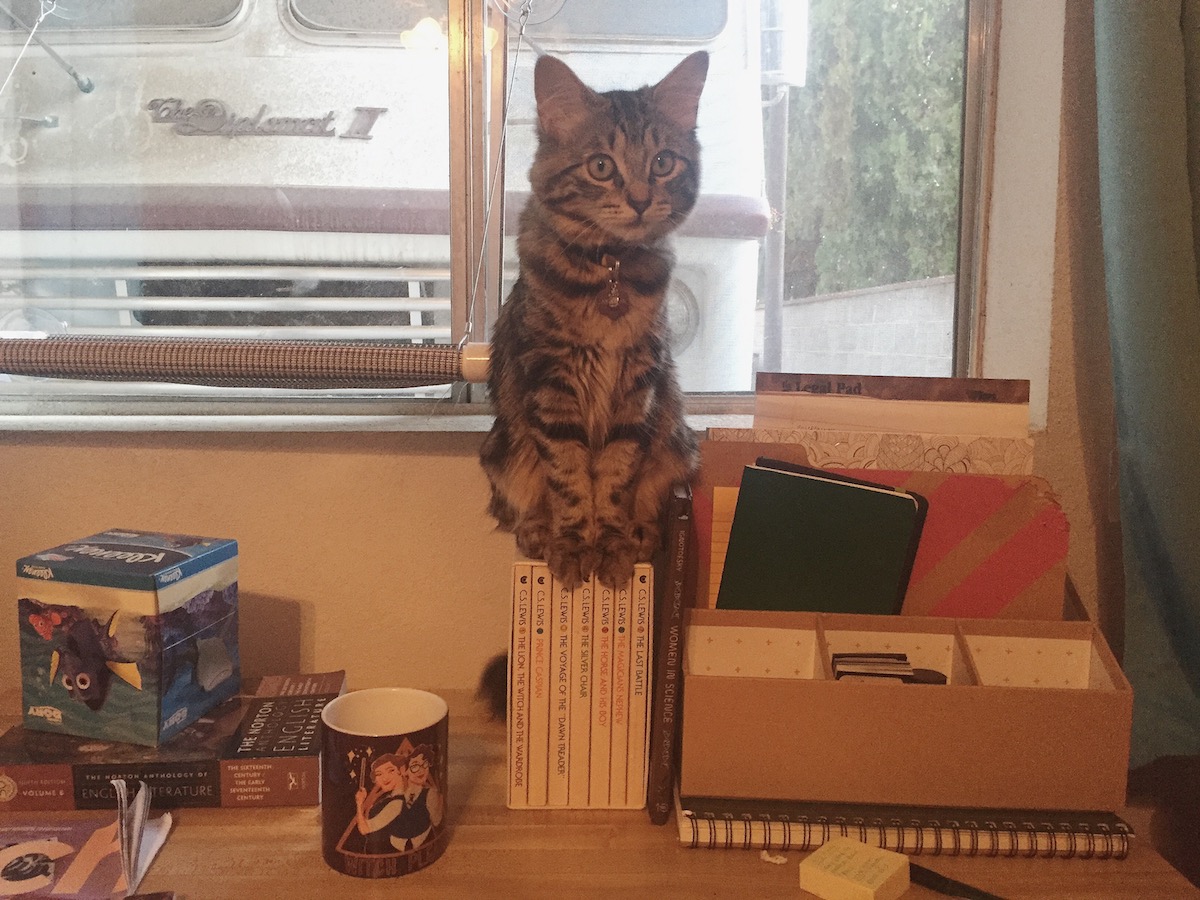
(578, 693)
(518, 686)
(261, 750)
(674, 587)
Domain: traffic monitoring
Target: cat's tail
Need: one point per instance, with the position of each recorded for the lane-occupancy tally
(493, 686)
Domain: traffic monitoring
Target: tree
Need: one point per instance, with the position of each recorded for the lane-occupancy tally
(875, 145)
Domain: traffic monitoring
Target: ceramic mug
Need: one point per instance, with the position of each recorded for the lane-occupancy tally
(383, 781)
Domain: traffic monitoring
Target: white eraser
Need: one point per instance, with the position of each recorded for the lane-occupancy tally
(846, 869)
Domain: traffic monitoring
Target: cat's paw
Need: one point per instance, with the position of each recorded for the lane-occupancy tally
(532, 536)
(648, 538)
(570, 560)
(618, 553)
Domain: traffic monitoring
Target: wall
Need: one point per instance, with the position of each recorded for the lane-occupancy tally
(1077, 451)
(893, 329)
(368, 552)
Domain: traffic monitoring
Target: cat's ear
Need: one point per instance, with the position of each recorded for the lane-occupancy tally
(563, 101)
(677, 96)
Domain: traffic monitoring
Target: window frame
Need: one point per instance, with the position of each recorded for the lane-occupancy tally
(477, 82)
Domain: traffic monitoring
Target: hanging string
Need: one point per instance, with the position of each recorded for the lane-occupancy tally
(47, 7)
(494, 175)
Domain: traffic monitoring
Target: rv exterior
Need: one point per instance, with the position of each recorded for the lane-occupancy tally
(267, 168)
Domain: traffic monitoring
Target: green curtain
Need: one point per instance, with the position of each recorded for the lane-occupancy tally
(1148, 115)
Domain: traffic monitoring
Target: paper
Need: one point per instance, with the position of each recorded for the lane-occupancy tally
(139, 836)
(93, 855)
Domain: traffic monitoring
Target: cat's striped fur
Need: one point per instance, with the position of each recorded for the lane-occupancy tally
(589, 433)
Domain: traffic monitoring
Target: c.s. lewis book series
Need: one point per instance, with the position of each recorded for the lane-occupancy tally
(261, 750)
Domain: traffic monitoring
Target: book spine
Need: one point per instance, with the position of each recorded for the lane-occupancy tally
(601, 696)
(641, 640)
(274, 760)
(582, 603)
(518, 687)
(38, 787)
(896, 387)
(618, 770)
(539, 688)
(233, 783)
(172, 785)
(670, 585)
(984, 838)
(557, 791)
(270, 781)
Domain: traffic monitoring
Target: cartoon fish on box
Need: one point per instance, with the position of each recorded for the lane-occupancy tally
(85, 662)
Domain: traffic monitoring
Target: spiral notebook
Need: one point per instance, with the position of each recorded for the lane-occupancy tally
(720, 824)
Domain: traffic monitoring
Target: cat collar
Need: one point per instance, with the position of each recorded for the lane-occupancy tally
(613, 305)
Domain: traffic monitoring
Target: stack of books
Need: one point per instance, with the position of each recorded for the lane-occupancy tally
(579, 691)
(253, 751)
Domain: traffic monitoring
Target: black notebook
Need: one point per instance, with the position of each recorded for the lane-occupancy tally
(719, 824)
(818, 541)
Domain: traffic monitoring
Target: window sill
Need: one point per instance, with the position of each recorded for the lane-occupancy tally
(703, 412)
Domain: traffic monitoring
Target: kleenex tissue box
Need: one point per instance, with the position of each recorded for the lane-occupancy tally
(128, 635)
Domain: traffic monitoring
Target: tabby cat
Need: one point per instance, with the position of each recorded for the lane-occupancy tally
(589, 433)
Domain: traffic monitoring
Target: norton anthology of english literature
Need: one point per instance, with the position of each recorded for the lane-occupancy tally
(260, 750)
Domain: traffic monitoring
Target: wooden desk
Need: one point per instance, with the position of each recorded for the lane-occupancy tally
(224, 854)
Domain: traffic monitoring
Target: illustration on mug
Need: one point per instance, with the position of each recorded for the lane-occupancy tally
(399, 803)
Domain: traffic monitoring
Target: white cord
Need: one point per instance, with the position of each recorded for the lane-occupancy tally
(523, 20)
(47, 7)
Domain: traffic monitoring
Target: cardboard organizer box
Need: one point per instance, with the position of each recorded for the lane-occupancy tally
(1034, 715)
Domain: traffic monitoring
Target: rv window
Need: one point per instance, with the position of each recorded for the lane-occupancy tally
(616, 19)
(366, 16)
(86, 15)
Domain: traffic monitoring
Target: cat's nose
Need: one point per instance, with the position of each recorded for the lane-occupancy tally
(638, 204)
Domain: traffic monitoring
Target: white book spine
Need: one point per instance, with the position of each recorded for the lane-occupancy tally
(560, 697)
(582, 605)
(518, 687)
(601, 696)
(539, 691)
(619, 741)
(640, 666)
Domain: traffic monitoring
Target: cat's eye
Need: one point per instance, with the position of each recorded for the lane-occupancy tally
(601, 167)
(664, 164)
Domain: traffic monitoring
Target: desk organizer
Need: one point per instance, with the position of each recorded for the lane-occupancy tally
(1034, 715)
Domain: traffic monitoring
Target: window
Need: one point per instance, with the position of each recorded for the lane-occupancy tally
(285, 169)
(81, 17)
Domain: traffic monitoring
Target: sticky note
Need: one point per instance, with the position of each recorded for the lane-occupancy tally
(846, 869)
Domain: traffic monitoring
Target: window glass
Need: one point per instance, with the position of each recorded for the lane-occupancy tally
(365, 16)
(699, 19)
(84, 15)
(840, 124)
(259, 186)
(292, 178)
(714, 291)
(874, 155)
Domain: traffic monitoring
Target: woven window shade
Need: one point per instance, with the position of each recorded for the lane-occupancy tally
(243, 362)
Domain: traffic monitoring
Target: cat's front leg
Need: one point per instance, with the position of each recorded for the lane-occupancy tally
(565, 461)
(614, 490)
(570, 548)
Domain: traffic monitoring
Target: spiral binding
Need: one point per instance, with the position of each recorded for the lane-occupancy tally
(968, 837)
